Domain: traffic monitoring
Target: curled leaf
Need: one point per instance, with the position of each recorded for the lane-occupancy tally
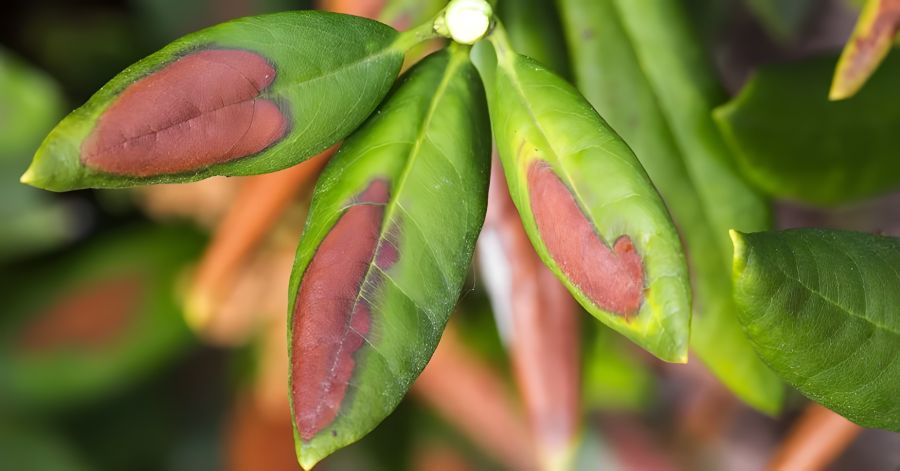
(586, 203)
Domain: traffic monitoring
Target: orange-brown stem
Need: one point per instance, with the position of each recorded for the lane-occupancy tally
(471, 396)
(255, 440)
(259, 203)
(544, 336)
(819, 437)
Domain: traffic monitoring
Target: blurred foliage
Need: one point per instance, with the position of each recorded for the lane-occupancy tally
(164, 402)
(30, 104)
(796, 144)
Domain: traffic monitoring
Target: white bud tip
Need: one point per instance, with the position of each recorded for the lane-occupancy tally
(468, 20)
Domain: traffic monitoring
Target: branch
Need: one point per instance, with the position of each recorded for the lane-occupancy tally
(815, 441)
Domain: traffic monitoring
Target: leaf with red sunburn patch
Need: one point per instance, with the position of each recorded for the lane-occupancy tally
(250, 96)
(385, 252)
(590, 210)
(870, 42)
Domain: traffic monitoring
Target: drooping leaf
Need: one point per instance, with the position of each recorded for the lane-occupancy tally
(821, 308)
(586, 203)
(539, 318)
(249, 96)
(795, 144)
(875, 32)
(30, 103)
(662, 111)
(385, 252)
(93, 322)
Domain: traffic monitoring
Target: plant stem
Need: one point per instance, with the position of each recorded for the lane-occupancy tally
(815, 441)
(470, 395)
(409, 38)
(259, 203)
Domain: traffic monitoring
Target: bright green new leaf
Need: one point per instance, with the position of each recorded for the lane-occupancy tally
(385, 252)
(664, 115)
(92, 323)
(822, 309)
(795, 144)
(249, 96)
(586, 203)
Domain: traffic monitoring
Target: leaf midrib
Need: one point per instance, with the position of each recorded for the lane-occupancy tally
(834, 303)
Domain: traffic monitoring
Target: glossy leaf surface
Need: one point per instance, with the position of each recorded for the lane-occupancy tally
(663, 113)
(795, 144)
(249, 96)
(875, 33)
(385, 252)
(821, 307)
(85, 325)
(588, 207)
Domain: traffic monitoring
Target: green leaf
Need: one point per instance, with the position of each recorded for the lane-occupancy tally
(30, 103)
(586, 203)
(795, 144)
(534, 30)
(821, 308)
(645, 73)
(292, 83)
(385, 252)
(91, 323)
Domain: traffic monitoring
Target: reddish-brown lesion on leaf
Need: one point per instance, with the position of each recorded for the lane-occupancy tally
(613, 279)
(332, 317)
(200, 110)
(90, 318)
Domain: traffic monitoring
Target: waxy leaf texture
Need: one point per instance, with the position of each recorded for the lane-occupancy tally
(822, 308)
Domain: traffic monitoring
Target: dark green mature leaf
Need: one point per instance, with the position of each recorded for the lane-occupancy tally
(249, 96)
(663, 113)
(86, 325)
(796, 144)
(385, 252)
(30, 103)
(586, 203)
(822, 309)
